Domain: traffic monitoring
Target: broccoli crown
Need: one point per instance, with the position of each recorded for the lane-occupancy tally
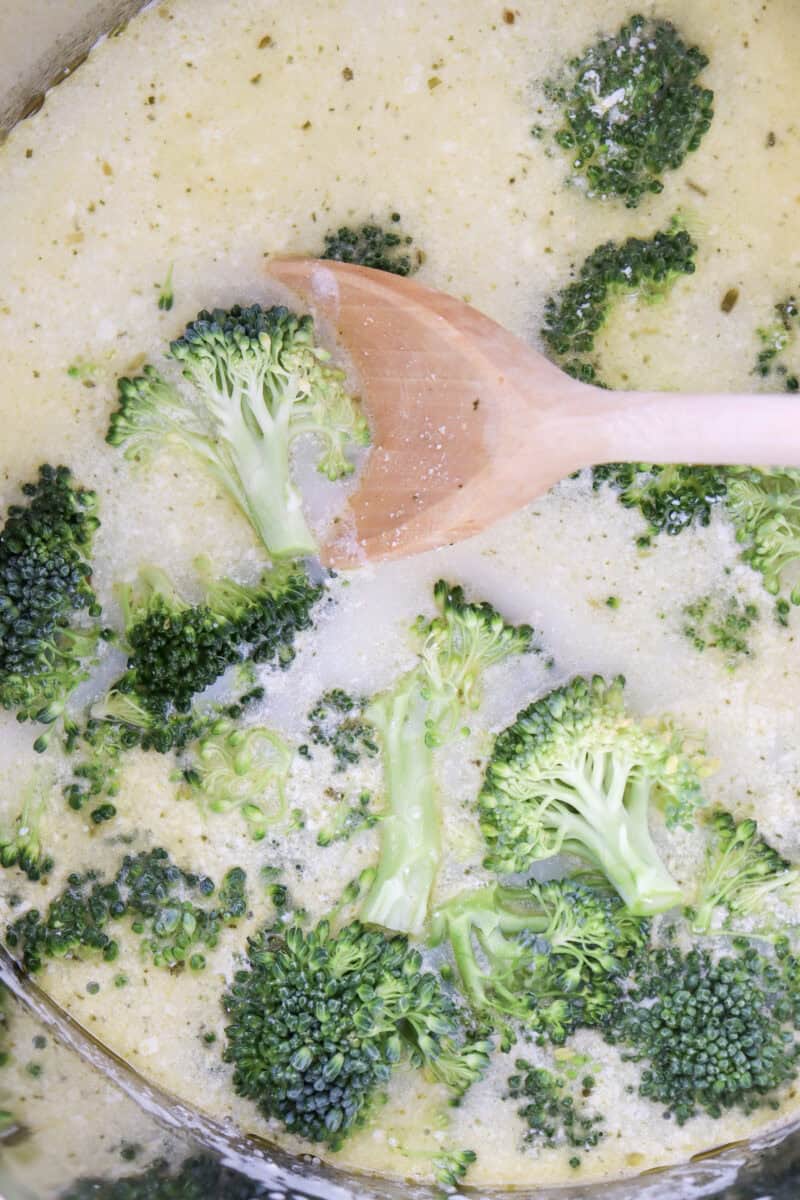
(420, 712)
(631, 109)
(256, 381)
(765, 508)
(721, 623)
(741, 871)
(670, 498)
(319, 1020)
(152, 893)
(458, 645)
(776, 339)
(243, 769)
(337, 721)
(176, 650)
(45, 579)
(21, 845)
(574, 316)
(715, 1034)
(372, 246)
(199, 1177)
(546, 955)
(549, 1110)
(575, 773)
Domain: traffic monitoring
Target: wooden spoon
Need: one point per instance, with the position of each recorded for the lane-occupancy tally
(469, 423)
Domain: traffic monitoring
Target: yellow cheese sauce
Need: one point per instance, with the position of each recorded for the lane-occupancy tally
(209, 137)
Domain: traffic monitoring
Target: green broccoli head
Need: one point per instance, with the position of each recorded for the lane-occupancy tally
(319, 1020)
(21, 845)
(255, 382)
(632, 109)
(742, 870)
(714, 1033)
(45, 582)
(546, 956)
(576, 774)
(549, 1110)
(671, 498)
(374, 246)
(646, 267)
(243, 769)
(458, 645)
(764, 506)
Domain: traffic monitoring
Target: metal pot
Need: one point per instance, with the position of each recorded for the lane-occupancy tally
(41, 43)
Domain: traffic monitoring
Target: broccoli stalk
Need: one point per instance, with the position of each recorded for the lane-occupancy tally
(418, 714)
(256, 382)
(742, 870)
(575, 774)
(544, 955)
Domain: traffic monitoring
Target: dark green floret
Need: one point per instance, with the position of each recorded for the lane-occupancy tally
(777, 339)
(337, 721)
(320, 1019)
(670, 498)
(576, 773)
(647, 268)
(713, 1034)
(425, 708)
(632, 109)
(45, 588)
(374, 246)
(550, 1111)
(741, 872)
(21, 846)
(721, 623)
(201, 1177)
(156, 898)
(546, 956)
(254, 381)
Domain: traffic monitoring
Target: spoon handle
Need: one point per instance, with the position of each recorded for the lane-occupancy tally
(659, 427)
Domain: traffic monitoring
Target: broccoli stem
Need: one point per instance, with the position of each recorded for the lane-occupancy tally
(614, 833)
(271, 500)
(410, 835)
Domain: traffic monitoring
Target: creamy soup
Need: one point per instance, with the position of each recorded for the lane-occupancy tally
(209, 136)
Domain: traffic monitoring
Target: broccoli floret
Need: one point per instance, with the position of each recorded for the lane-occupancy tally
(545, 955)
(152, 893)
(715, 1034)
(776, 339)
(741, 871)
(21, 845)
(373, 246)
(721, 623)
(670, 498)
(175, 651)
(631, 109)
(243, 769)
(255, 382)
(575, 315)
(349, 819)
(549, 1110)
(419, 713)
(45, 583)
(319, 1020)
(576, 774)
(337, 721)
(764, 506)
(201, 1177)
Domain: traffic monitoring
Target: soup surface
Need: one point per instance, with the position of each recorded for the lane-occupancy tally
(206, 137)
